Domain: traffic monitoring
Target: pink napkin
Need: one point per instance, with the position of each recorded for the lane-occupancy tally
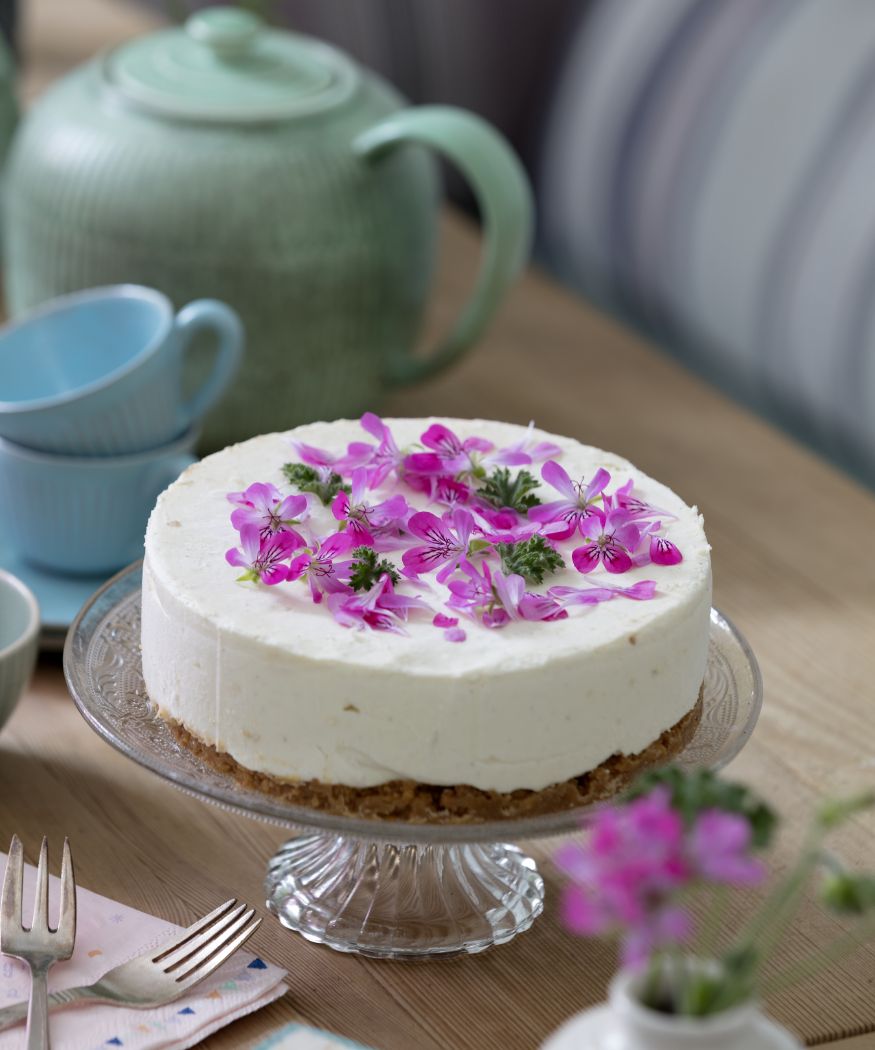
(108, 934)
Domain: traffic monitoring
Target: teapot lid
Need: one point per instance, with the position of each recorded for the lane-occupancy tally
(226, 65)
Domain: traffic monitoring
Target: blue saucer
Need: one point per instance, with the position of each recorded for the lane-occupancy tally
(60, 597)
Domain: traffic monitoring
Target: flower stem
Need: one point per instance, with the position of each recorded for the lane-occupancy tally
(709, 938)
(773, 916)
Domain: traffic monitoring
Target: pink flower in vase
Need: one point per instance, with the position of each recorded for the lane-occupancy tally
(263, 506)
(720, 845)
(320, 567)
(625, 874)
(366, 521)
(613, 539)
(579, 503)
(263, 558)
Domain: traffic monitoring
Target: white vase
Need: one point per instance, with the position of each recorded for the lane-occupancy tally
(623, 1023)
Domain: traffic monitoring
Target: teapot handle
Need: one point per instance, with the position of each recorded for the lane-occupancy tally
(505, 199)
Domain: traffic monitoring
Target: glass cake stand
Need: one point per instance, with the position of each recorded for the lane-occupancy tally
(377, 887)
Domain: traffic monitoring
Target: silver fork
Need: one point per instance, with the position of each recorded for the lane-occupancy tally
(40, 946)
(165, 973)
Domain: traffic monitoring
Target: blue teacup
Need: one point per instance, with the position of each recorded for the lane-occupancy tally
(100, 372)
(84, 514)
(19, 631)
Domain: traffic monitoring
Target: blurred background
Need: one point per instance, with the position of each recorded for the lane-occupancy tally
(703, 171)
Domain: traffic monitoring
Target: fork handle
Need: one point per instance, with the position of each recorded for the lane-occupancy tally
(38, 1011)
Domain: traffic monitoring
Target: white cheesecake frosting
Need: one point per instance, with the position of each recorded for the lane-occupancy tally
(271, 678)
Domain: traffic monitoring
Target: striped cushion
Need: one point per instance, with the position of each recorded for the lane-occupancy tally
(709, 171)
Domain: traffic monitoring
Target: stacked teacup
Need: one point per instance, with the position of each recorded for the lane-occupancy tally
(95, 419)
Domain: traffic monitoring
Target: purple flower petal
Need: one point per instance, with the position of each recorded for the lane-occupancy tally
(586, 558)
(442, 440)
(664, 552)
(557, 477)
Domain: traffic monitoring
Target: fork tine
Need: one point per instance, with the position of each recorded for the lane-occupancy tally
(40, 919)
(193, 961)
(67, 914)
(186, 935)
(175, 959)
(10, 905)
(204, 968)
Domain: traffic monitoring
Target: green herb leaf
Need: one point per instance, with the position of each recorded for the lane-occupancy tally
(308, 479)
(532, 559)
(367, 569)
(502, 490)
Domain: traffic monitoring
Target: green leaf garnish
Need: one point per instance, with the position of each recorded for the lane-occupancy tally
(308, 479)
(367, 569)
(503, 490)
(532, 559)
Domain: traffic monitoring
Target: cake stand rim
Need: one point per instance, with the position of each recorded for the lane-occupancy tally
(286, 815)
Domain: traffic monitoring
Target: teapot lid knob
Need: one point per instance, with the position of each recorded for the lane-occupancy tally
(226, 66)
(229, 32)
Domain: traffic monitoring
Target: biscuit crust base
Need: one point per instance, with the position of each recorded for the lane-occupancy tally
(414, 802)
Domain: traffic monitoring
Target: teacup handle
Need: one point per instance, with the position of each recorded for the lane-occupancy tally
(505, 199)
(211, 315)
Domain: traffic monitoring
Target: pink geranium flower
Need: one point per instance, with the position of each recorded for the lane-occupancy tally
(579, 504)
(364, 520)
(384, 458)
(264, 506)
(613, 539)
(440, 488)
(635, 507)
(639, 856)
(497, 599)
(380, 608)
(720, 845)
(264, 557)
(446, 542)
(329, 462)
(533, 451)
(449, 453)
(625, 874)
(471, 457)
(319, 564)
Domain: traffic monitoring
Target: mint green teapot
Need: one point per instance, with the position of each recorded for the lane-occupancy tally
(232, 161)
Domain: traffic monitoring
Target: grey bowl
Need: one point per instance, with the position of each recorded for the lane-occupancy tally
(19, 632)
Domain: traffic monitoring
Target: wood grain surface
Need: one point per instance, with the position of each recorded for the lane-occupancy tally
(793, 567)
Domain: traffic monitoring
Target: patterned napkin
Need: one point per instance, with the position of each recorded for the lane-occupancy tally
(108, 934)
(300, 1037)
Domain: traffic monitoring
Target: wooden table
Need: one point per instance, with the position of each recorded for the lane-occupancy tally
(793, 567)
